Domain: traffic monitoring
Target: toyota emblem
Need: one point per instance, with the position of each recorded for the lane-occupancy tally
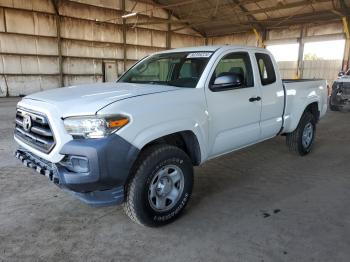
(27, 123)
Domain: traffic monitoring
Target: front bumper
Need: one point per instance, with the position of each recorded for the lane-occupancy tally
(109, 161)
(340, 96)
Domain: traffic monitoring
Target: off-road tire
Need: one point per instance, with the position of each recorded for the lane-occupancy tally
(294, 139)
(151, 160)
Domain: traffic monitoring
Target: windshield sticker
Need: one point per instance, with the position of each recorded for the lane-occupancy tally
(199, 55)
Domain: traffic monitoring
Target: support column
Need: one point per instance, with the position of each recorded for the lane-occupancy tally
(168, 33)
(124, 37)
(346, 57)
(260, 37)
(59, 41)
(300, 63)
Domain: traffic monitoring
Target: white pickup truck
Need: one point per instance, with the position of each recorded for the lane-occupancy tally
(135, 141)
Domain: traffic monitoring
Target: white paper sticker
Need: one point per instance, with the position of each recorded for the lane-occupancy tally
(199, 55)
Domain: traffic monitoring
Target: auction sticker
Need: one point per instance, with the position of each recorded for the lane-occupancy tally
(199, 55)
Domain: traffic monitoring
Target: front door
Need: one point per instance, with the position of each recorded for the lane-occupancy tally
(234, 115)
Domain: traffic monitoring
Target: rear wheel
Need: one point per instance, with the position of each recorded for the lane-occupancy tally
(160, 186)
(302, 138)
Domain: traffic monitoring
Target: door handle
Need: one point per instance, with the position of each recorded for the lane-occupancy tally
(253, 99)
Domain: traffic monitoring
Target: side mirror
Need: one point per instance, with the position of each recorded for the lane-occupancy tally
(341, 73)
(227, 81)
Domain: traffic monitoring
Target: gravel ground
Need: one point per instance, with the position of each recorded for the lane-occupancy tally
(259, 204)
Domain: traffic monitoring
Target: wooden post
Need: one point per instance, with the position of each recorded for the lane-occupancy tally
(300, 63)
(260, 38)
(346, 57)
(59, 41)
(124, 37)
(168, 33)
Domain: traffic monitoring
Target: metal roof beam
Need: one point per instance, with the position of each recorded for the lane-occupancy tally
(312, 18)
(309, 17)
(268, 9)
(344, 5)
(194, 22)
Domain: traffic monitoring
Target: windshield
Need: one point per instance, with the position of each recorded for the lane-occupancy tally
(174, 69)
(348, 73)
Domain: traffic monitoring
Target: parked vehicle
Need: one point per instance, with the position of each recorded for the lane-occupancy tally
(344, 73)
(340, 93)
(136, 141)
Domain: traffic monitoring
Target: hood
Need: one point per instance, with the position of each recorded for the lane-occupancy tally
(88, 99)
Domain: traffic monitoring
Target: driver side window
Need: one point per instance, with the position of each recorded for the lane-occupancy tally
(239, 63)
(154, 71)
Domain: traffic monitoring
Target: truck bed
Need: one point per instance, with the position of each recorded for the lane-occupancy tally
(300, 80)
(298, 93)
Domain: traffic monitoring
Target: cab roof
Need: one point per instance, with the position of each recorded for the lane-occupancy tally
(209, 48)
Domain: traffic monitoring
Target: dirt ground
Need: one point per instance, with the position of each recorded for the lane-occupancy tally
(259, 204)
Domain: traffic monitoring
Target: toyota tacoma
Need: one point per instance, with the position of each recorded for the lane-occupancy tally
(135, 141)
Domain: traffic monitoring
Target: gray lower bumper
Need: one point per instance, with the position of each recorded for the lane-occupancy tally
(108, 197)
(39, 165)
(114, 196)
(109, 162)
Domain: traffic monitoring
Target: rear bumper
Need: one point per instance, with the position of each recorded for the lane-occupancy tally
(93, 170)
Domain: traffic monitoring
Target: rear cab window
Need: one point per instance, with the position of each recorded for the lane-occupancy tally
(266, 69)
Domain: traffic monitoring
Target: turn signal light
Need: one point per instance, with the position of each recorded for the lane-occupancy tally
(117, 123)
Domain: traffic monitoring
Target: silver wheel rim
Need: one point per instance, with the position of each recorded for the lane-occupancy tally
(166, 188)
(308, 135)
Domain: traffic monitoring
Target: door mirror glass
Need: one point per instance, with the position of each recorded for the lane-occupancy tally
(341, 73)
(227, 81)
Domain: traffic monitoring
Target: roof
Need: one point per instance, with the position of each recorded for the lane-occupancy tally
(222, 17)
(211, 48)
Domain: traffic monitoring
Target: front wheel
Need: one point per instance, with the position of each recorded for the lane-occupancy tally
(160, 186)
(302, 138)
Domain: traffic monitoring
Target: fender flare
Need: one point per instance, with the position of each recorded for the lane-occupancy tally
(154, 132)
(295, 118)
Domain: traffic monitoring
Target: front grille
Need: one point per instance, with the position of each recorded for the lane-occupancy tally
(34, 129)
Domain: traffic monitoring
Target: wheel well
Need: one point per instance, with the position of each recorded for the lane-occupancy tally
(185, 140)
(313, 109)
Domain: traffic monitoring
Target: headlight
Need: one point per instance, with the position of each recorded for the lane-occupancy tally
(94, 126)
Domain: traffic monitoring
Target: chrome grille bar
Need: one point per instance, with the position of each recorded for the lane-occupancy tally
(39, 135)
